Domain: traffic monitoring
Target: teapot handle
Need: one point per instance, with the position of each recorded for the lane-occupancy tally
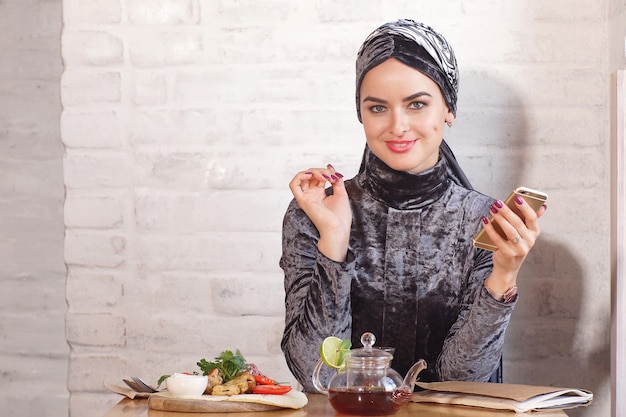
(316, 378)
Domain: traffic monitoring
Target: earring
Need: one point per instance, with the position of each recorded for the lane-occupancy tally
(449, 124)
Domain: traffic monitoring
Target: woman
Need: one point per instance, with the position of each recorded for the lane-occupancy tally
(390, 251)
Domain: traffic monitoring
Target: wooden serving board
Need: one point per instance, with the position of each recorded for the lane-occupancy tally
(234, 404)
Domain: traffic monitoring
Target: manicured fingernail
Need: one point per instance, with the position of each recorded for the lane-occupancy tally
(485, 220)
(519, 200)
(308, 172)
(545, 207)
(334, 178)
(498, 203)
(330, 166)
(493, 209)
(339, 174)
(326, 176)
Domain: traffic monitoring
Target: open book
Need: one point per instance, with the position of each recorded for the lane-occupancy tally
(518, 398)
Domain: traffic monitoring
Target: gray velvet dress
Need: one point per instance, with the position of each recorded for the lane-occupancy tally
(411, 277)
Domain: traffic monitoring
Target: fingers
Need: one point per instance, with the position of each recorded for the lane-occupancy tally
(330, 212)
(336, 180)
(331, 175)
(316, 177)
(303, 182)
(542, 210)
(313, 181)
(519, 229)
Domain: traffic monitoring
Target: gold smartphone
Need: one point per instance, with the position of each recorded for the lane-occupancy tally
(534, 198)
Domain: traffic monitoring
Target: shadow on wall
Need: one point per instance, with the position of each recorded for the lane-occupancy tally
(545, 340)
(545, 343)
(490, 134)
(572, 361)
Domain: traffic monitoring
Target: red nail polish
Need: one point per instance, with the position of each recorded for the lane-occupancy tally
(519, 200)
(493, 209)
(326, 176)
(498, 203)
(339, 174)
(334, 178)
(485, 220)
(308, 172)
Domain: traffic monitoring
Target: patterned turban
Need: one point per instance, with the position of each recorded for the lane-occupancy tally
(415, 45)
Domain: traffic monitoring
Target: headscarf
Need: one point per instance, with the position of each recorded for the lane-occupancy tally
(415, 45)
(421, 47)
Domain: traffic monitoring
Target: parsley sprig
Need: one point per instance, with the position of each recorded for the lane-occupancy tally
(230, 364)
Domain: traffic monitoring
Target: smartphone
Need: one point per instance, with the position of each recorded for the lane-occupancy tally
(533, 198)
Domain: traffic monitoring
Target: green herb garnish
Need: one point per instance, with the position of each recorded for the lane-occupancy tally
(163, 378)
(228, 363)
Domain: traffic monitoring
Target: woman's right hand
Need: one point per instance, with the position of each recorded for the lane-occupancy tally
(330, 214)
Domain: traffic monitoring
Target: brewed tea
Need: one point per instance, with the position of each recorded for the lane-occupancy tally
(365, 402)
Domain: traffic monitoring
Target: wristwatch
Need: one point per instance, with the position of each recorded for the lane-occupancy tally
(509, 295)
(506, 297)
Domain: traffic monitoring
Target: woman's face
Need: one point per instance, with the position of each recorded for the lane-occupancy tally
(403, 113)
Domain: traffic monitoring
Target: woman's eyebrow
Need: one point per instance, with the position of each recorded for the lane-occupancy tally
(416, 95)
(409, 98)
(374, 99)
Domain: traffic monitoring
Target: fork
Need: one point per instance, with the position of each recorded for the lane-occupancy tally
(145, 387)
(132, 385)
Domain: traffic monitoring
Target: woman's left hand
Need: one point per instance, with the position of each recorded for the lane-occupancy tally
(521, 234)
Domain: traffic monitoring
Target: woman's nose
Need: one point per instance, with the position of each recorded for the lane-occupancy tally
(399, 124)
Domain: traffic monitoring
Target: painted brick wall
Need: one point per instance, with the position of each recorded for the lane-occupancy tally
(33, 350)
(184, 120)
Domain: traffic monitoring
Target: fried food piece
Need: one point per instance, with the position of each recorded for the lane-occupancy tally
(215, 378)
(240, 385)
(226, 390)
(250, 380)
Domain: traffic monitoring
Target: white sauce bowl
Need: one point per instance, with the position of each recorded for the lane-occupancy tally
(187, 386)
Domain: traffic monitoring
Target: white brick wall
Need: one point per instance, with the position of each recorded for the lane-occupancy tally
(183, 121)
(33, 349)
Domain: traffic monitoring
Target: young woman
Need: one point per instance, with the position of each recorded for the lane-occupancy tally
(390, 250)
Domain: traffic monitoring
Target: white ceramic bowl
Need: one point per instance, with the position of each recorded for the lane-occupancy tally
(187, 386)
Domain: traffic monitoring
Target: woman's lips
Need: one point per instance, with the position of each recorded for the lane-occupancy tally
(400, 146)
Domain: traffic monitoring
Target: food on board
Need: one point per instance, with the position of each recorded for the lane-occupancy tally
(230, 374)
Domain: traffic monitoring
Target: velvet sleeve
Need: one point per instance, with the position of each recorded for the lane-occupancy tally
(474, 345)
(317, 296)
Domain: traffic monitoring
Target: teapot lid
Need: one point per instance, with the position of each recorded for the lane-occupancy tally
(368, 351)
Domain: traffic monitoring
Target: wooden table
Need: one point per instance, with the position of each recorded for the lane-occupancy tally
(318, 406)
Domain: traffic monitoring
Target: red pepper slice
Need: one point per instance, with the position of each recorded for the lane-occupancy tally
(263, 380)
(271, 389)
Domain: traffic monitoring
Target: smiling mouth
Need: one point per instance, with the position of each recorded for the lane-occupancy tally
(400, 147)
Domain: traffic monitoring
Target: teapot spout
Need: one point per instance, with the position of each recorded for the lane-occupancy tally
(411, 377)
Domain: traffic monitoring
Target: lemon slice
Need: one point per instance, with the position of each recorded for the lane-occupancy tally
(332, 351)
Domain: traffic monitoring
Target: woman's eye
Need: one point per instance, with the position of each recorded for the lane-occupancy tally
(417, 105)
(377, 109)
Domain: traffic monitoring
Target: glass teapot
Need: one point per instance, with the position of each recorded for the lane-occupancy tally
(367, 385)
